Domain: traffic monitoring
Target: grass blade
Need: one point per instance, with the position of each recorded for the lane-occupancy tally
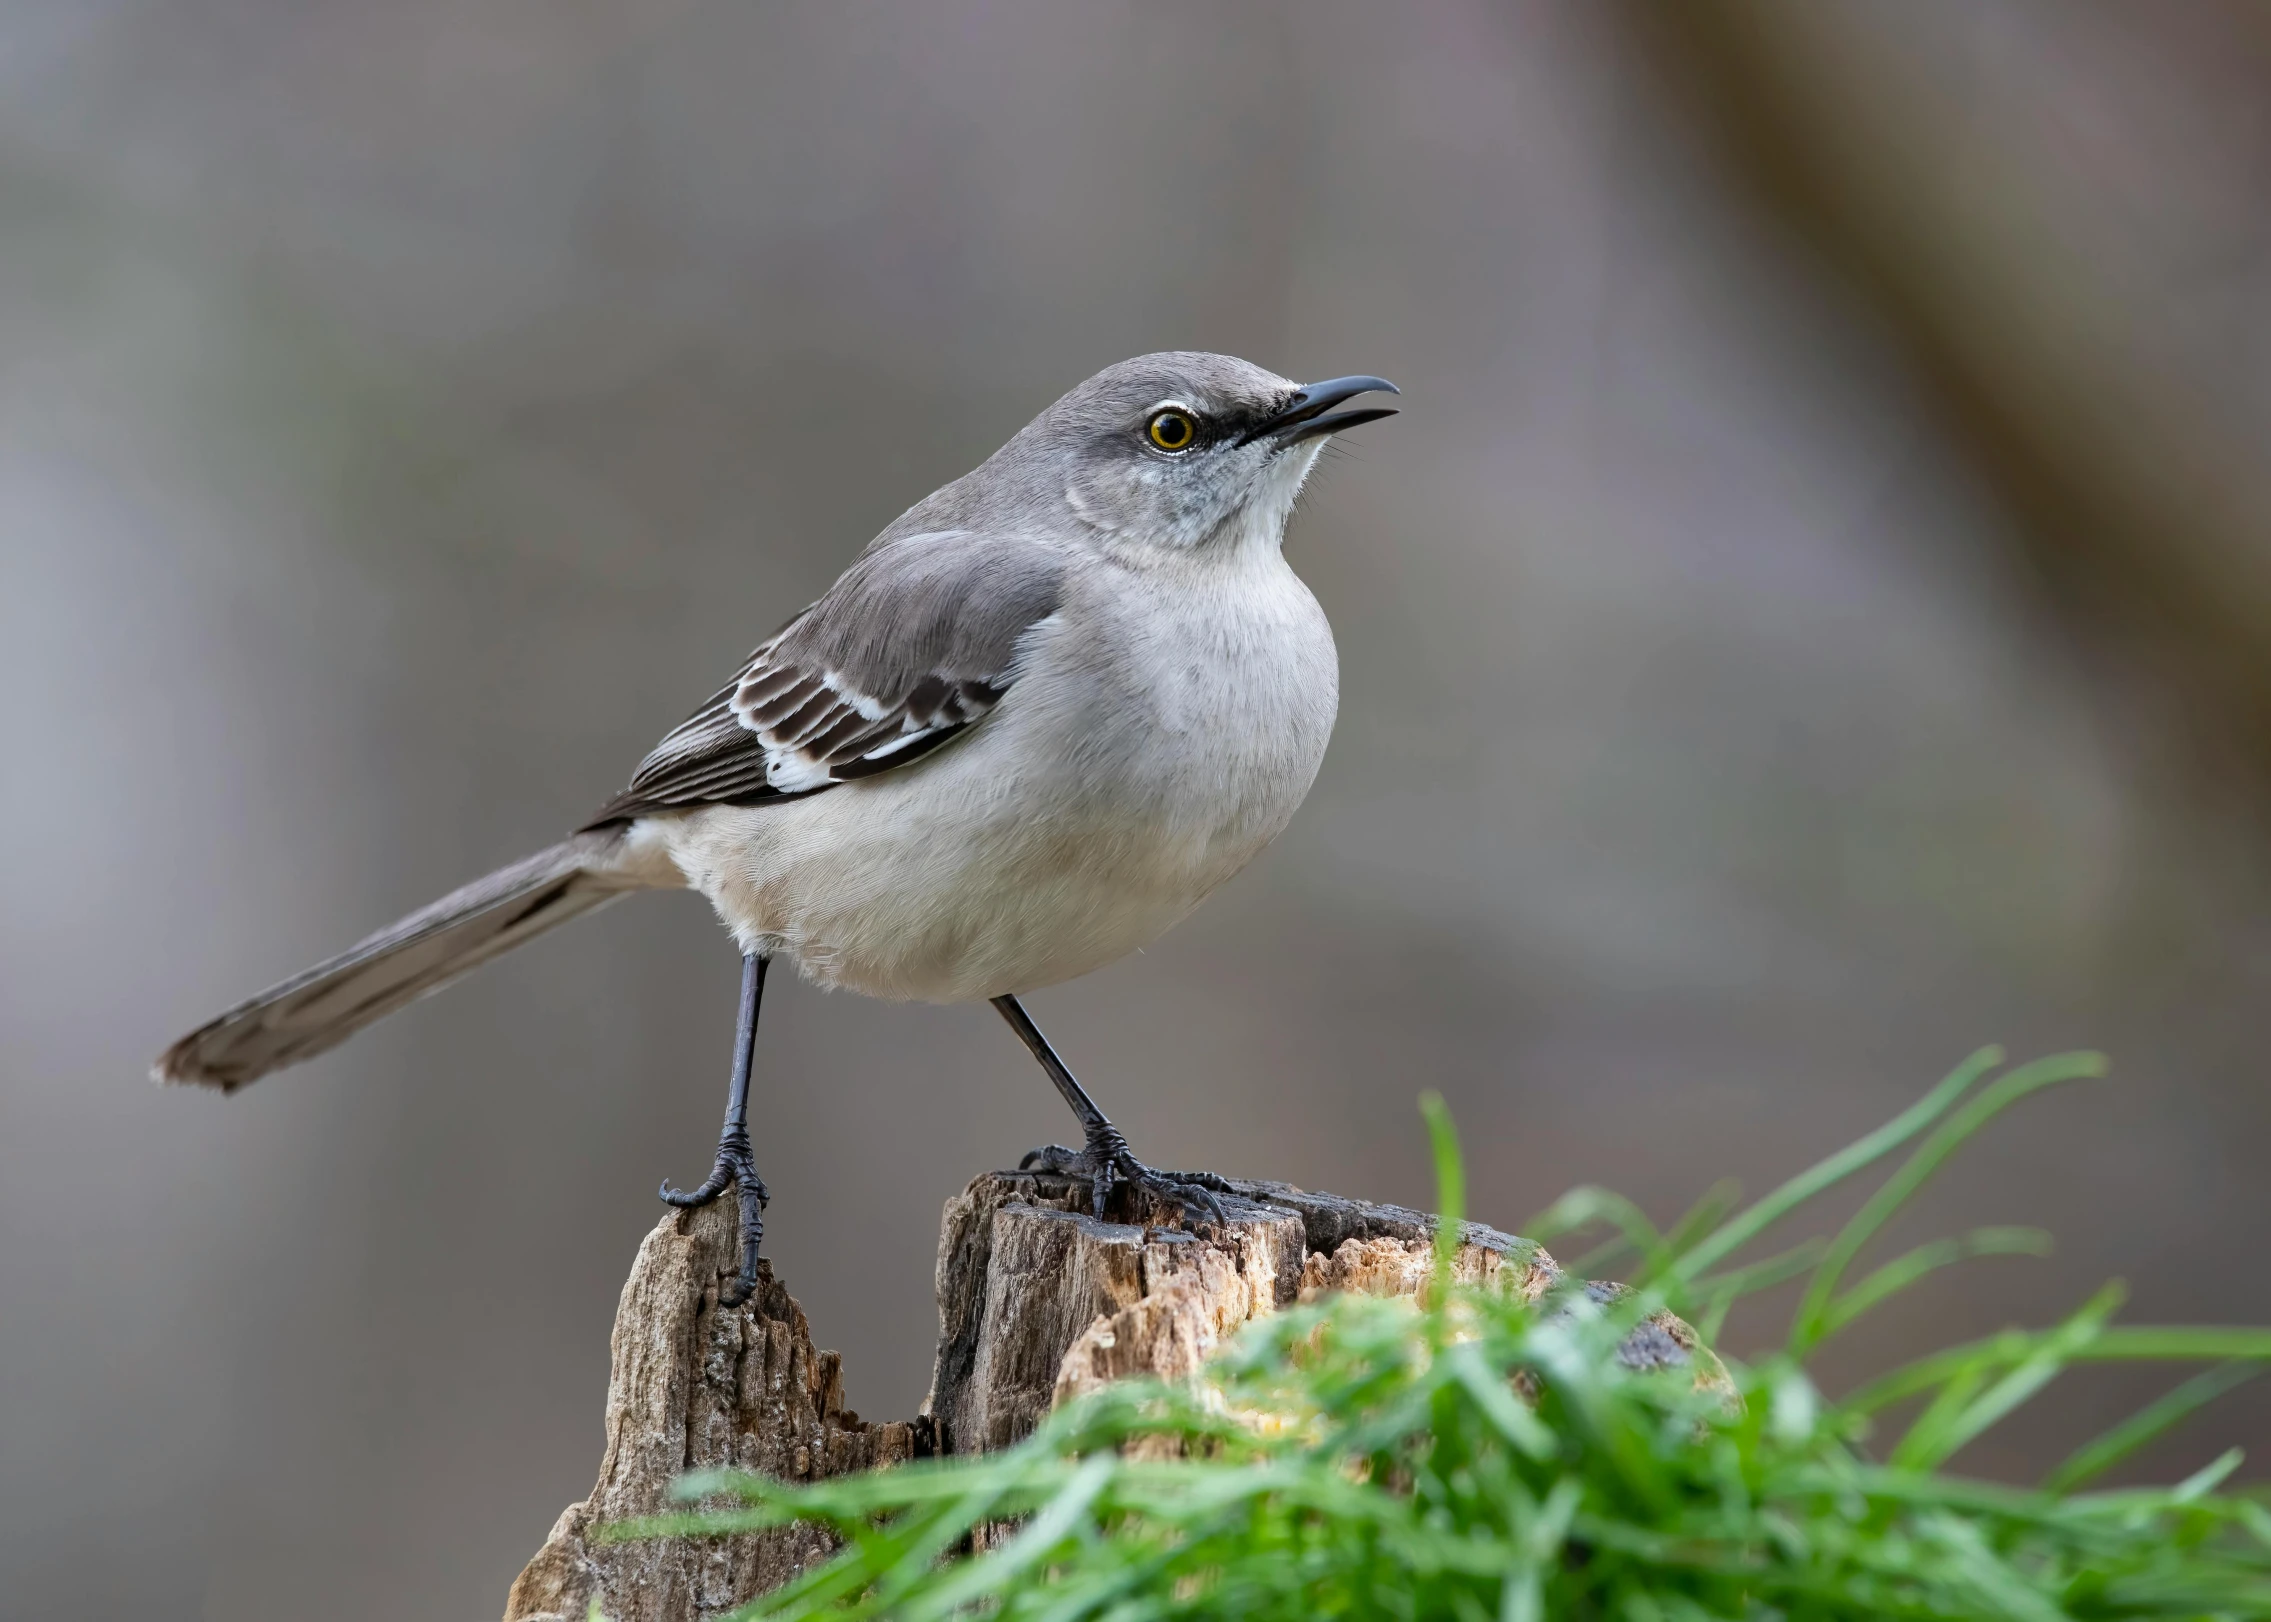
(2093, 1458)
(2208, 1477)
(1763, 1274)
(1926, 1447)
(1699, 1220)
(2172, 1343)
(1718, 1294)
(1714, 1207)
(1450, 1189)
(1902, 1271)
(1043, 1533)
(1585, 1205)
(1918, 1117)
(1490, 1392)
(1806, 1327)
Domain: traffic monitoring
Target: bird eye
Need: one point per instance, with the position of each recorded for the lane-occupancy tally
(1172, 430)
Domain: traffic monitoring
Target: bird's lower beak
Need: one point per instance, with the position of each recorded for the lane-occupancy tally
(1305, 415)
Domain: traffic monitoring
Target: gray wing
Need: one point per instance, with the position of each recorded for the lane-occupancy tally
(917, 642)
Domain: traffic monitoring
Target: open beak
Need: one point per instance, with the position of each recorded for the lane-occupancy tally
(1305, 415)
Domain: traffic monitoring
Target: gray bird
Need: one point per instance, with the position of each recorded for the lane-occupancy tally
(1041, 718)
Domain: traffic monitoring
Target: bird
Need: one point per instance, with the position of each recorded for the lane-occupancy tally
(1040, 718)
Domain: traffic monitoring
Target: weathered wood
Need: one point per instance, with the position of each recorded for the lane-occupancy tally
(1039, 1300)
(693, 1385)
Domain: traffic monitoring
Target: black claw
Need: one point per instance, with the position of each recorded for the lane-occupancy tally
(1053, 1157)
(1210, 1187)
(712, 1187)
(744, 1283)
(1213, 1204)
(736, 1168)
(1107, 1163)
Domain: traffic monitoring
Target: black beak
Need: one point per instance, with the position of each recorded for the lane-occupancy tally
(1304, 415)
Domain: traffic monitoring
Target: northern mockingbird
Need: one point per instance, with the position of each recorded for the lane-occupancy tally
(1040, 719)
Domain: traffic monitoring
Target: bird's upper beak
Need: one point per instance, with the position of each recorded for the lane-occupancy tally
(1304, 416)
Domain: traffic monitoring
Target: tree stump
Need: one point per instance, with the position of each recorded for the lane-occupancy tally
(1038, 1299)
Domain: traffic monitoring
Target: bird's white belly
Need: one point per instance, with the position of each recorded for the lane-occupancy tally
(1084, 818)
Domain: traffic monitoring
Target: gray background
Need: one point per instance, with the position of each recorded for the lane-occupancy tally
(407, 412)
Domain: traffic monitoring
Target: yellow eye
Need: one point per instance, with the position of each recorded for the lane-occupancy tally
(1172, 430)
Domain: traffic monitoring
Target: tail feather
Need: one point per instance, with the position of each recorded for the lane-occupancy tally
(321, 1007)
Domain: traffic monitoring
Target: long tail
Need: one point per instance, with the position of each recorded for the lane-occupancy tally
(321, 1007)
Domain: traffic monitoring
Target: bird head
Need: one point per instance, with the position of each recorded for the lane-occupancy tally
(1185, 450)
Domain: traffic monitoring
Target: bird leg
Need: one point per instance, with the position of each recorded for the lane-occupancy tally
(736, 1164)
(1105, 1159)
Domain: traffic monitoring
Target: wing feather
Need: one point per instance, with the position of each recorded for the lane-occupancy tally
(916, 643)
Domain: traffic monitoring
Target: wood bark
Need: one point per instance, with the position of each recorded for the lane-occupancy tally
(1039, 1300)
(692, 1385)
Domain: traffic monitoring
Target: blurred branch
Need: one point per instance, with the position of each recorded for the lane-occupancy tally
(2145, 515)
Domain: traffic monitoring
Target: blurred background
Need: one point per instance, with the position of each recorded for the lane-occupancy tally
(1812, 618)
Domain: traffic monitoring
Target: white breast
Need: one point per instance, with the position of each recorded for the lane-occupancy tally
(1136, 764)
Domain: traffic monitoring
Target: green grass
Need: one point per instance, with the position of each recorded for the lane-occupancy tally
(1474, 1457)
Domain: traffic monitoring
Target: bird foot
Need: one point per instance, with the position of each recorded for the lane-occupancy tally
(1107, 1165)
(736, 1165)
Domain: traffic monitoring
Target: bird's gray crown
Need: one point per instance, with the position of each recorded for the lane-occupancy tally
(1175, 450)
